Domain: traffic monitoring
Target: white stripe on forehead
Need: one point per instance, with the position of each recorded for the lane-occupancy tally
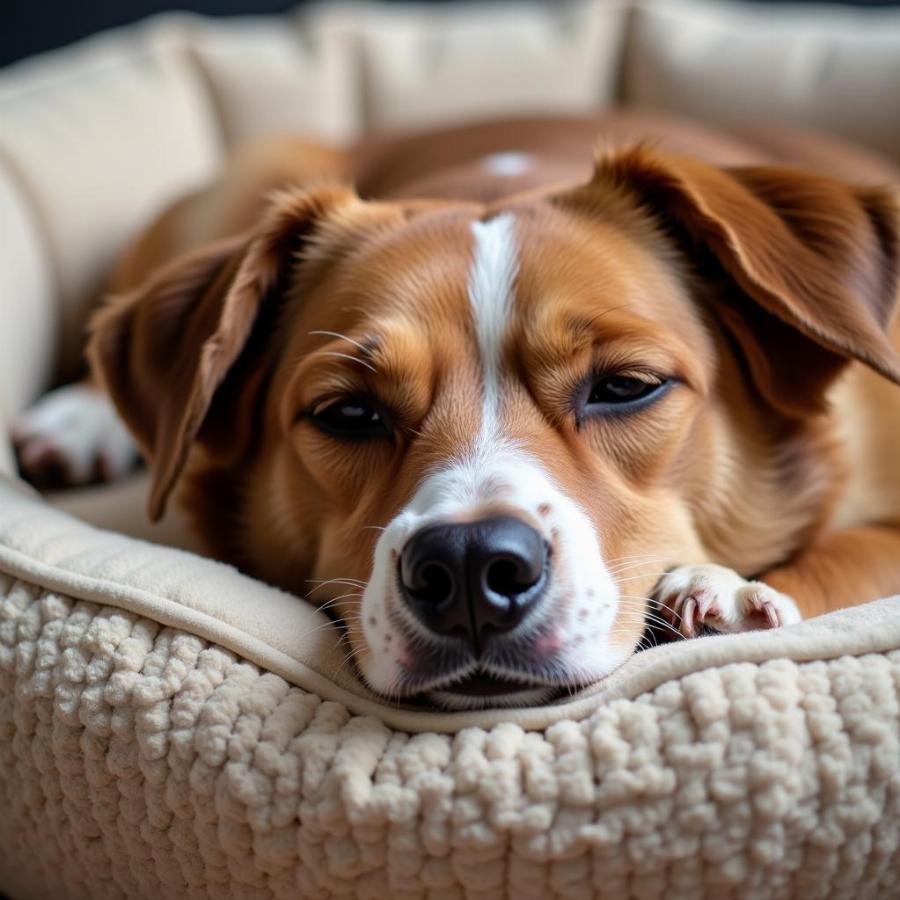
(491, 282)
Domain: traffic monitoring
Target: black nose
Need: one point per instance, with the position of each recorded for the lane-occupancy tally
(474, 579)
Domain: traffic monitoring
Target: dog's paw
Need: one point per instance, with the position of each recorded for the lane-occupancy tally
(691, 597)
(73, 436)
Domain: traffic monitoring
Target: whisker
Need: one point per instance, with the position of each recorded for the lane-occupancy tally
(329, 580)
(340, 584)
(338, 622)
(319, 628)
(342, 337)
(624, 567)
(333, 600)
(638, 556)
(355, 359)
(651, 606)
(344, 582)
(632, 565)
(618, 576)
(349, 658)
(325, 626)
(641, 614)
(629, 578)
(639, 599)
(309, 596)
(652, 620)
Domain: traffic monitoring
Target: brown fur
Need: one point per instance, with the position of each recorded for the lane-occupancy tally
(768, 292)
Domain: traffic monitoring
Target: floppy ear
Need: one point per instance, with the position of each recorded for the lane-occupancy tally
(165, 350)
(811, 263)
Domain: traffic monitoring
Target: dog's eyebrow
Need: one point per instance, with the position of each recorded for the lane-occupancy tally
(579, 331)
(586, 324)
(580, 327)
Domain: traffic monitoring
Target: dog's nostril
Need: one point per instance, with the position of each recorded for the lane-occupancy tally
(509, 577)
(435, 583)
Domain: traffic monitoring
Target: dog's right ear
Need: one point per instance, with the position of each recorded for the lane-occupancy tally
(163, 350)
(809, 265)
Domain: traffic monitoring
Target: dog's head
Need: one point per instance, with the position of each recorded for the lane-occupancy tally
(480, 434)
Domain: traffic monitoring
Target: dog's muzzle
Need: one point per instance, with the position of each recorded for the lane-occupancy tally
(474, 580)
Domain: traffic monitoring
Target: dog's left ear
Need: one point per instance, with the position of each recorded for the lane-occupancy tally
(815, 262)
(177, 354)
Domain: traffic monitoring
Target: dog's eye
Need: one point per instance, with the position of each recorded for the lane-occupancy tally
(622, 392)
(350, 418)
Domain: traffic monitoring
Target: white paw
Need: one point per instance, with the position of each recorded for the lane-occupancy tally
(692, 596)
(73, 436)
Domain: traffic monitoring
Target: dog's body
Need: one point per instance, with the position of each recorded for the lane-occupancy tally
(502, 417)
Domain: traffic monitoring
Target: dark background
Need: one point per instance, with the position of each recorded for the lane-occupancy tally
(30, 26)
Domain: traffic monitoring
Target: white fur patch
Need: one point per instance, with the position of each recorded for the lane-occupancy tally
(507, 164)
(75, 428)
(491, 285)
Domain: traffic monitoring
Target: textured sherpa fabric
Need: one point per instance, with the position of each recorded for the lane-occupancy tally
(149, 749)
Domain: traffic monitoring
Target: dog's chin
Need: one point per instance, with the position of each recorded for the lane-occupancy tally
(447, 675)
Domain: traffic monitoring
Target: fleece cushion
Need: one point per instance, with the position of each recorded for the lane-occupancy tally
(171, 728)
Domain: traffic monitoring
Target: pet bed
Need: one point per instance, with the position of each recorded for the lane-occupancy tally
(172, 729)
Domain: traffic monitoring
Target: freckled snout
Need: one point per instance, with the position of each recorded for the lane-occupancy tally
(474, 580)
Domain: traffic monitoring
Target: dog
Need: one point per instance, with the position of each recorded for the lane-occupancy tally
(495, 401)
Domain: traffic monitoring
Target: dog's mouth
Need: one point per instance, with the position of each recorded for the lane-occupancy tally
(483, 684)
(483, 690)
(447, 675)
(479, 688)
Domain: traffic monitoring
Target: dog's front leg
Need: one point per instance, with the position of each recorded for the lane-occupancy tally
(73, 436)
(843, 568)
(707, 595)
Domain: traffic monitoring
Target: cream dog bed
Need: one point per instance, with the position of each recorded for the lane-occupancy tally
(170, 728)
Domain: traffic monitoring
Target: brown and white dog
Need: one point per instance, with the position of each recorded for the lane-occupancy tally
(493, 408)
